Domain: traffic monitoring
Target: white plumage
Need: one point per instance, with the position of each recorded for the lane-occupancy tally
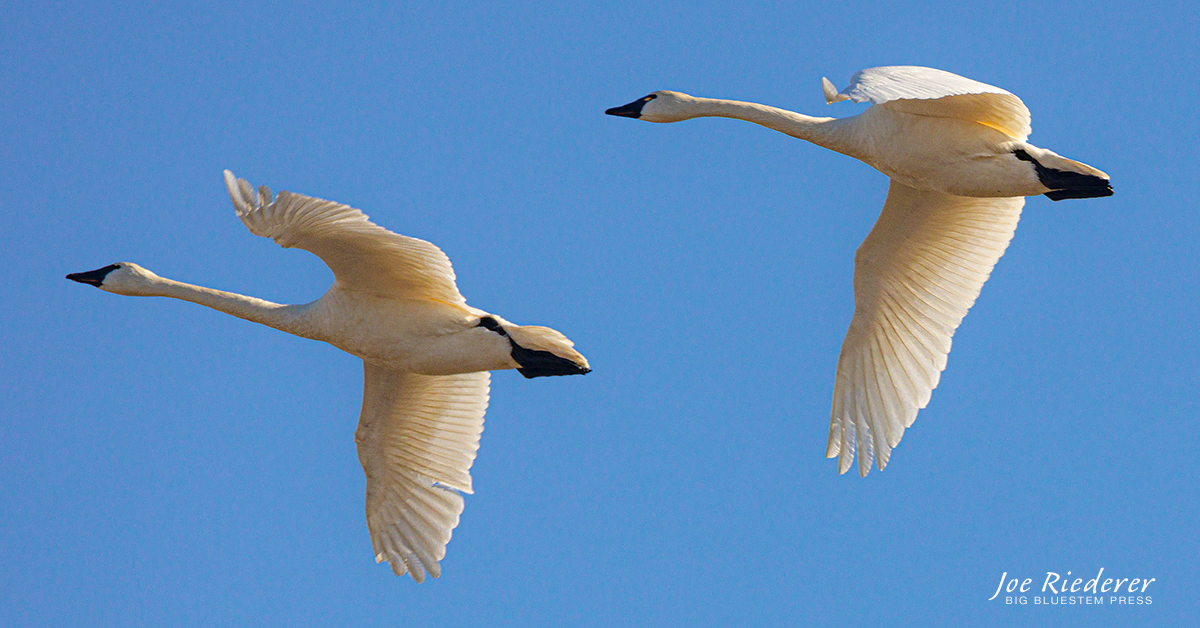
(417, 438)
(426, 356)
(936, 93)
(363, 256)
(960, 168)
(915, 276)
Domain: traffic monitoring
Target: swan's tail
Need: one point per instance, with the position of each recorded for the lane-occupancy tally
(542, 351)
(1067, 178)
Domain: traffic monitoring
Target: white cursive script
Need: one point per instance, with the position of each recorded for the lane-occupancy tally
(1056, 583)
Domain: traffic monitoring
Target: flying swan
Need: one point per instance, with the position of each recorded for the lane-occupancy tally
(960, 168)
(426, 356)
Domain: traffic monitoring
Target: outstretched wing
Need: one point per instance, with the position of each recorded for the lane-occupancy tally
(417, 438)
(915, 276)
(363, 256)
(936, 93)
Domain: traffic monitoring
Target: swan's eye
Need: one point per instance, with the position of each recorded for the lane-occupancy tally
(650, 97)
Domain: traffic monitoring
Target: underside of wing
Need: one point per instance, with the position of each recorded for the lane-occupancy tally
(363, 256)
(915, 276)
(417, 438)
(937, 93)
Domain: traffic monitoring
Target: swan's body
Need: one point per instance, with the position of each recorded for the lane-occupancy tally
(960, 168)
(426, 356)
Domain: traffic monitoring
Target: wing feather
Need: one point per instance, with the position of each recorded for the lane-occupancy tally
(902, 372)
(886, 382)
(937, 93)
(916, 275)
(363, 256)
(876, 399)
(417, 439)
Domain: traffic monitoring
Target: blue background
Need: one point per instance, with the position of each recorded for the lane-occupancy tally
(163, 464)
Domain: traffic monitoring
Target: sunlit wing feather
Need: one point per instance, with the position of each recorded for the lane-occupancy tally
(937, 93)
(363, 256)
(417, 438)
(915, 276)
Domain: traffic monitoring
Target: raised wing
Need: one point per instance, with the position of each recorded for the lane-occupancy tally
(417, 438)
(936, 93)
(915, 276)
(363, 256)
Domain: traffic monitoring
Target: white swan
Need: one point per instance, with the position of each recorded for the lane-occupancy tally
(960, 168)
(426, 356)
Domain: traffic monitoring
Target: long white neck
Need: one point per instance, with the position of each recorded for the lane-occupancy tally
(825, 132)
(288, 318)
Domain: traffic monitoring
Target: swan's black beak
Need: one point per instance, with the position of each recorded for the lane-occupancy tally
(93, 277)
(633, 109)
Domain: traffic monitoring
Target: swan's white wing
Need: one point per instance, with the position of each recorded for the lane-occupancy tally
(915, 276)
(937, 93)
(363, 256)
(417, 438)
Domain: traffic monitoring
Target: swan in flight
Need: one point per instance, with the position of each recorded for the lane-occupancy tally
(960, 168)
(426, 356)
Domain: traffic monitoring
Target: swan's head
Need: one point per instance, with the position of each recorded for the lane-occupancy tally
(661, 106)
(124, 278)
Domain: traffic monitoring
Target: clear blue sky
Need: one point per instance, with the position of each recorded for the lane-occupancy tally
(163, 464)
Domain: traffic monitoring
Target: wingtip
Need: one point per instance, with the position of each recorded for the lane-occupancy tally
(265, 196)
(401, 566)
(831, 92)
(231, 186)
(833, 446)
(245, 198)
